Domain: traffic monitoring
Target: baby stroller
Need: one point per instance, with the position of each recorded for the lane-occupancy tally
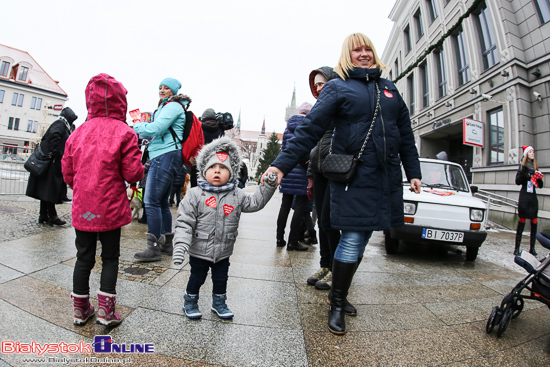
(537, 283)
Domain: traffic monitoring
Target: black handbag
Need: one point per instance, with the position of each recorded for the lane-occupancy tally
(341, 167)
(38, 162)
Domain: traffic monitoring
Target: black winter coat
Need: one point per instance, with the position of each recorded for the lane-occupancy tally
(211, 130)
(374, 198)
(51, 187)
(528, 204)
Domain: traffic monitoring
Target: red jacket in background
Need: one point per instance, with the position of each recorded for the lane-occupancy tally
(100, 156)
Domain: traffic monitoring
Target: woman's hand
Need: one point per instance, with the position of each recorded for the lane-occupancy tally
(277, 171)
(416, 184)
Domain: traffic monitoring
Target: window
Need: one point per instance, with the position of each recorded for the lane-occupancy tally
(441, 78)
(418, 22)
(23, 72)
(34, 126)
(432, 10)
(10, 123)
(487, 37)
(496, 136)
(425, 85)
(16, 124)
(5, 68)
(20, 100)
(14, 99)
(2, 92)
(29, 126)
(33, 102)
(544, 10)
(396, 67)
(38, 104)
(410, 84)
(461, 58)
(391, 75)
(407, 35)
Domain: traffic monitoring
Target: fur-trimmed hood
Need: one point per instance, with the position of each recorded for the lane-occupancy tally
(222, 144)
(179, 98)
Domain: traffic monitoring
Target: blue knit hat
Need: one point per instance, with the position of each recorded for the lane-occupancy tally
(171, 83)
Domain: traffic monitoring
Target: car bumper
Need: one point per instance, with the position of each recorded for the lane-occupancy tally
(413, 233)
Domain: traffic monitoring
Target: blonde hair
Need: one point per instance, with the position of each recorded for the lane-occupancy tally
(524, 162)
(352, 42)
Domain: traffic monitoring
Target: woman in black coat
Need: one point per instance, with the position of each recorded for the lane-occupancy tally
(50, 189)
(530, 178)
(373, 200)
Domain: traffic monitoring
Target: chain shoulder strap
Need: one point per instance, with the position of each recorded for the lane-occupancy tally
(371, 125)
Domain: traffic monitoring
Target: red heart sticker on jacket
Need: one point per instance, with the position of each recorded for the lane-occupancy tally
(211, 202)
(222, 156)
(388, 94)
(228, 209)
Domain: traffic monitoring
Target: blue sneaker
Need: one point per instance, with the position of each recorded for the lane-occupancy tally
(191, 307)
(219, 306)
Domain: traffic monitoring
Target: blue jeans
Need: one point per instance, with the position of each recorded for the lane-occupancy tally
(352, 246)
(161, 174)
(199, 271)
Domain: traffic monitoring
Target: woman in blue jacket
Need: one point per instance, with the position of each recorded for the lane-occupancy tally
(166, 161)
(373, 201)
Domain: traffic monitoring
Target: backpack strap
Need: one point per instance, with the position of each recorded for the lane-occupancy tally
(174, 135)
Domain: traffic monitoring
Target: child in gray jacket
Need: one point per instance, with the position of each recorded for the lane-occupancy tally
(207, 223)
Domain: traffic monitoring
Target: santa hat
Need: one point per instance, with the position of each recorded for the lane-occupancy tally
(527, 149)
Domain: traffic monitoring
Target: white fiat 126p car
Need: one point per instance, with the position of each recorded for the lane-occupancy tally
(444, 212)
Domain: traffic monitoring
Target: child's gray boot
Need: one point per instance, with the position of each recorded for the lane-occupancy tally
(219, 306)
(152, 252)
(167, 246)
(191, 307)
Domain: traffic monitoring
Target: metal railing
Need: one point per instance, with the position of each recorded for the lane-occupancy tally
(13, 177)
(490, 198)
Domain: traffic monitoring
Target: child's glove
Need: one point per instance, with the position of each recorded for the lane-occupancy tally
(179, 254)
(537, 176)
(271, 179)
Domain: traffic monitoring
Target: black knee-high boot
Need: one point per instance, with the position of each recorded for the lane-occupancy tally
(533, 239)
(519, 233)
(342, 275)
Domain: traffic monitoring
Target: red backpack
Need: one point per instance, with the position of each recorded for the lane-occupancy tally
(193, 137)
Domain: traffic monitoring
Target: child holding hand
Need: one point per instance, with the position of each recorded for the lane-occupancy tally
(207, 223)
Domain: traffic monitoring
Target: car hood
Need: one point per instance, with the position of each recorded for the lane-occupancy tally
(443, 197)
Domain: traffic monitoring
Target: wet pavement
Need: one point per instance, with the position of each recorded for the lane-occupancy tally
(423, 306)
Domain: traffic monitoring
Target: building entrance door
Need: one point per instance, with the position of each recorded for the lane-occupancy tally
(461, 154)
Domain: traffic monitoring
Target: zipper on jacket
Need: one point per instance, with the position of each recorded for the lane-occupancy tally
(319, 154)
(383, 131)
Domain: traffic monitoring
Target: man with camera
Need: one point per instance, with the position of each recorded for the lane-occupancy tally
(213, 126)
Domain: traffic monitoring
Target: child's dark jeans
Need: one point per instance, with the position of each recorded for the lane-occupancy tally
(86, 243)
(199, 271)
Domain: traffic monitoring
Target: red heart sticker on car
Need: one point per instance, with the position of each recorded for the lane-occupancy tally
(388, 94)
(228, 209)
(222, 156)
(211, 202)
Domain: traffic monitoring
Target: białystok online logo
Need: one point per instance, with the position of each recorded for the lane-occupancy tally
(101, 344)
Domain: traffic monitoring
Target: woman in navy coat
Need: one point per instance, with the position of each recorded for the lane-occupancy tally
(373, 201)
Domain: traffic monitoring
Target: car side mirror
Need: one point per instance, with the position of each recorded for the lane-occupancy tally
(474, 189)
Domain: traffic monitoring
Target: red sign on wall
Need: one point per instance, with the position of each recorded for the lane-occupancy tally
(58, 107)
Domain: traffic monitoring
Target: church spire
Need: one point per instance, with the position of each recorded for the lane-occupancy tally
(293, 103)
(239, 120)
(263, 128)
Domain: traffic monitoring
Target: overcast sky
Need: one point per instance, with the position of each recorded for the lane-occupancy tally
(239, 55)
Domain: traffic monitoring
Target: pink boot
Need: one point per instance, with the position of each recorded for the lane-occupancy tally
(83, 310)
(106, 315)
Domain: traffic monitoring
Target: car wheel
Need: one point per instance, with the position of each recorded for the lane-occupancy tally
(392, 244)
(471, 253)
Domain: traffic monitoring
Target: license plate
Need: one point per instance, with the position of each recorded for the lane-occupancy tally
(441, 235)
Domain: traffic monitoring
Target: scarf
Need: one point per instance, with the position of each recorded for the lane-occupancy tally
(206, 186)
(66, 123)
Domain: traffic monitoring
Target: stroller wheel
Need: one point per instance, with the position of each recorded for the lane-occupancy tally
(491, 321)
(517, 307)
(503, 325)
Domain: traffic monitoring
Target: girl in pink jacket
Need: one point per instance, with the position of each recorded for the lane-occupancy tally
(99, 157)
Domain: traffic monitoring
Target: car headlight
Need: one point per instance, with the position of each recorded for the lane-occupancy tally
(409, 207)
(476, 215)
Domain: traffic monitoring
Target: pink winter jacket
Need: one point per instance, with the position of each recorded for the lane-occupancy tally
(99, 156)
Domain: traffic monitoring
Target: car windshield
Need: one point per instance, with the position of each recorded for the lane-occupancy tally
(442, 176)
